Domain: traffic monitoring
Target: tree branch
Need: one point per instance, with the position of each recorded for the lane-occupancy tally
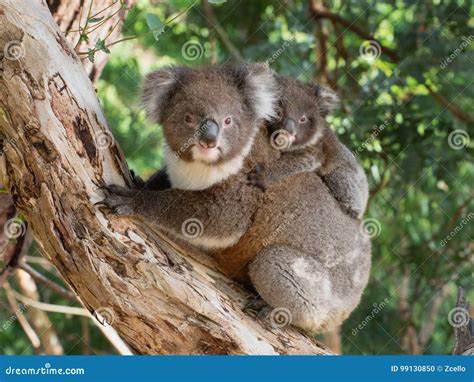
(449, 105)
(59, 153)
(213, 23)
(321, 12)
(39, 320)
(18, 311)
(47, 282)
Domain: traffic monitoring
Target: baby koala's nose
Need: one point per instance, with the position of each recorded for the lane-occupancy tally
(290, 125)
(208, 134)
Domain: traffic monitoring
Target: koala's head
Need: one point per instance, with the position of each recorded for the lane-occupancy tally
(210, 115)
(302, 112)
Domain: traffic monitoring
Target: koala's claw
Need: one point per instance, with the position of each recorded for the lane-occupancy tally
(118, 199)
(256, 306)
(256, 177)
(119, 190)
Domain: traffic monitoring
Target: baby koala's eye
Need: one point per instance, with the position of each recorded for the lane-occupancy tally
(303, 119)
(227, 121)
(188, 118)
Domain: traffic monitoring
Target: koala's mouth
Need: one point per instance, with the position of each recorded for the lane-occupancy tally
(205, 154)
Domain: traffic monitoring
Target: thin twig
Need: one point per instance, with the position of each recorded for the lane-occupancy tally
(322, 12)
(449, 105)
(213, 23)
(47, 282)
(319, 13)
(18, 311)
(108, 331)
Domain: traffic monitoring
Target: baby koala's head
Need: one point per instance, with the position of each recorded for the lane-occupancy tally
(302, 112)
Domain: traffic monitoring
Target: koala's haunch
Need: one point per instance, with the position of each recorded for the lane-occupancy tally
(301, 251)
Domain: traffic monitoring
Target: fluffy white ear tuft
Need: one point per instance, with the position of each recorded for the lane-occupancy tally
(155, 90)
(264, 90)
(327, 99)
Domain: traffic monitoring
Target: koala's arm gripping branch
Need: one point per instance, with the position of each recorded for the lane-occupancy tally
(55, 163)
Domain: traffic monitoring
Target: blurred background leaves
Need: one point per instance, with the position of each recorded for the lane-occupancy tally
(403, 70)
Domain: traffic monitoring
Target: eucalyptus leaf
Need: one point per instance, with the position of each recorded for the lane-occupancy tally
(155, 25)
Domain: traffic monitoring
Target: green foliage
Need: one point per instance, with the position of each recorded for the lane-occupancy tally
(402, 135)
(418, 180)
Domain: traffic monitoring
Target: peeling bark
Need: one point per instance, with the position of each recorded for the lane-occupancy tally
(58, 153)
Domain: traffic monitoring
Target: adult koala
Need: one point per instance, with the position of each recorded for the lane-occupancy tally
(305, 254)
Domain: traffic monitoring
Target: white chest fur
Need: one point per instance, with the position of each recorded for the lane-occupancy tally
(199, 175)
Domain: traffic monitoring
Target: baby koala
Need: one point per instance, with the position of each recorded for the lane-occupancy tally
(308, 144)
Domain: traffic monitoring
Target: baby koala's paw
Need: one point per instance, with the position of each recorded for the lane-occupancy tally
(119, 199)
(310, 163)
(256, 177)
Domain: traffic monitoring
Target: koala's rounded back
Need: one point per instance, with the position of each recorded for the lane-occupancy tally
(334, 256)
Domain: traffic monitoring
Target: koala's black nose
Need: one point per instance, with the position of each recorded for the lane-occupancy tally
(290, 125)
(208, 133)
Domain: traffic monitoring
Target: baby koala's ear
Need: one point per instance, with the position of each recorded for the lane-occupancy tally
(327, 99)
(157, 88)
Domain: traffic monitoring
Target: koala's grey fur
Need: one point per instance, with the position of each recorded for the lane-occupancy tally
(315, 147)
(302, 252)
(217, 192)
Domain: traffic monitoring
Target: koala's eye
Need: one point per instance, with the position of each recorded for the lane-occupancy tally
(279, 113)
(303, 119)
(227, 121)
(188, 118)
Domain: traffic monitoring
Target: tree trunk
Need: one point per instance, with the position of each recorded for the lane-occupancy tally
(58, 153)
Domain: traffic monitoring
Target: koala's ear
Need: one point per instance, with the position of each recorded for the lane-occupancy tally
(156, 89)
(261, 90)
(327, 99)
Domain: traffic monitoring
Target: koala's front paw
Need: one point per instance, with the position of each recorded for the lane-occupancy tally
(257, 307)
(119, 199)
(256, 177)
